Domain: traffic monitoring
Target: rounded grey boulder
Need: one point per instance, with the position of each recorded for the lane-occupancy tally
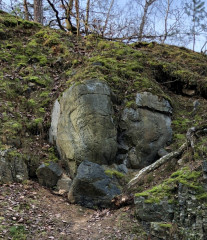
(83, 127)
(145, 129)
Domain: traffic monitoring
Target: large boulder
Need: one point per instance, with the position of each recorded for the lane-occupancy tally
(83, 126)
(92, 187)
(144, 129)
(12, 167)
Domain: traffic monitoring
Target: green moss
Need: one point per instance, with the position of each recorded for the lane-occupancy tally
(17, 126)
(103, 45)
(14, 153)
(181, 123)
(52, 155)
(37, 121)
(41, 110)
(33, 43)
(31, 103)
(18, 232)
(11, 127)
(165, 225)
(50, 38)
(44, 94)
(179, 136)
(168, 188)
(9, 22)
(112, 172)
(142, 194)
(152, 200)
(42, 80)
(130, 104)
(28, 24)
(202, 196)
(42, 60)
(21, 60)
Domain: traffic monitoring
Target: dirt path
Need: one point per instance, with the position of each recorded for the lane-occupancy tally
(29, 211)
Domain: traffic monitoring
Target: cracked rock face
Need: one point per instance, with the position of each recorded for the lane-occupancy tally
(85, 129)
(145, 129)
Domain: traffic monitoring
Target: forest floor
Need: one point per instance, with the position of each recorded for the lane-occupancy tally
(30, 211)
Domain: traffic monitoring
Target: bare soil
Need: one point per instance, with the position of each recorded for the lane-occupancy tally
(30, 211)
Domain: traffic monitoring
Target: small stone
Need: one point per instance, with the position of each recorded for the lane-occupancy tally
(180, 162)
(48, 175)
(64, 183)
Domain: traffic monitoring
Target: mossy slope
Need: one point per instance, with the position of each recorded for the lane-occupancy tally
(38, 63)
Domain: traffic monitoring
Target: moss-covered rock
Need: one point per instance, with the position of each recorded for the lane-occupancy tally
(179, 199)
(12, 166)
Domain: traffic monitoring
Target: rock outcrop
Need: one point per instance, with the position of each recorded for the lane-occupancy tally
(12, 167)
(154, 212)
(85, 127)
(186, 215)
(92, 187)
(144, 129)
(86, 135)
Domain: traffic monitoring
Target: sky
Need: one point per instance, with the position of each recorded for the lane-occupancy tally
(200, 40)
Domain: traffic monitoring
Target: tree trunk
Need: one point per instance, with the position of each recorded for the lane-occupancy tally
(87, 16)
(77, 17)
(107, 17)
(26, 12)
(166, 23)
(68, 15)
(38, 11)
(148, 3)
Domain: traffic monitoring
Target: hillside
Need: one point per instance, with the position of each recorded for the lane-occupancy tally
(37, 64)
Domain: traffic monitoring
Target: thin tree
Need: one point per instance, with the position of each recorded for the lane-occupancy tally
(147, 4)
(26, 11)
(77, 17)
(204, 49)
(68, 13)
(166, 20)
(107, 17)
(87, 16)
(196, 10)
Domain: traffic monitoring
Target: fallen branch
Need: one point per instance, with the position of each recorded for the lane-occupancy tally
(202, 128)
(157, 164)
